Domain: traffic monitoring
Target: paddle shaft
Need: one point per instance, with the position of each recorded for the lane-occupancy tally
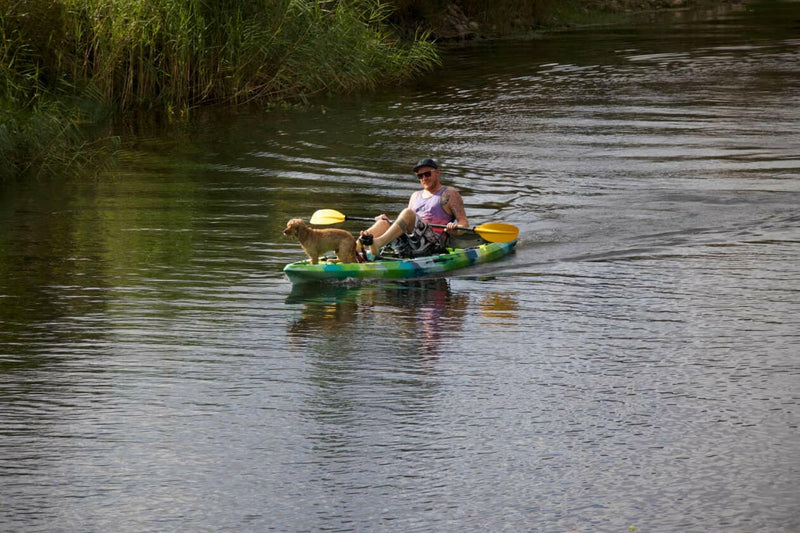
(492, 231)
(367, 219)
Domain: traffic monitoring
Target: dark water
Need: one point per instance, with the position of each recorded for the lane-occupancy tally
(635, 362)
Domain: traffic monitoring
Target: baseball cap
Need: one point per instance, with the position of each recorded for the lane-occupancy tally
(427, 162)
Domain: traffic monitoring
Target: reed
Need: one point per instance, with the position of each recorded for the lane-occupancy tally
(182, 53)
(172, 55)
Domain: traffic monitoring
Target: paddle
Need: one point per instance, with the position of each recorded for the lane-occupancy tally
(491, 231)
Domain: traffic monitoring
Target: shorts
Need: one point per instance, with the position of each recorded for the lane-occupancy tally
(420, 242)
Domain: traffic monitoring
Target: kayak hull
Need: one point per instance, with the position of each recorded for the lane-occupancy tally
(305, 272)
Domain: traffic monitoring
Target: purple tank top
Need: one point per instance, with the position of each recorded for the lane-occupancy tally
(430, 209)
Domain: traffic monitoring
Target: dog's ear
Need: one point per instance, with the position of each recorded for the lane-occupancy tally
(301, 230)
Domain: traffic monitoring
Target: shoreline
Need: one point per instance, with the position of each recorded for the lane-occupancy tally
(453, 27)
(56, 120)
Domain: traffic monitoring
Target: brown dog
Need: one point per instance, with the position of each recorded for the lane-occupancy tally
(316, 242)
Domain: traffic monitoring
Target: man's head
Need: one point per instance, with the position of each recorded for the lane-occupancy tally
(427, 162)
(427, 171)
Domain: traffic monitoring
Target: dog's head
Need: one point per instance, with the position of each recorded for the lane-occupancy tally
(295, 227)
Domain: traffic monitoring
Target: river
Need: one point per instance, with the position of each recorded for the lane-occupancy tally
(635, 363)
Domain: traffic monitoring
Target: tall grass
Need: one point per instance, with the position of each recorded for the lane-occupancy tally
(160, 53)
(47, 139)
(60, 58)
(42, 117)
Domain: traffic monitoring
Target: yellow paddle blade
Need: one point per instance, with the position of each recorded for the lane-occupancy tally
(497, 231)
(324, 217)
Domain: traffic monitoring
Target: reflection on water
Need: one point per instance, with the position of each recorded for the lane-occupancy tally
(634, 362)
(419, 313)
(501, 309)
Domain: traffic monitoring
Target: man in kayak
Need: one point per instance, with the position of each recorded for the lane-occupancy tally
(411, 234)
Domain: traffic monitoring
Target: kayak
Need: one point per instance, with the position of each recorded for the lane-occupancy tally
(384, 268)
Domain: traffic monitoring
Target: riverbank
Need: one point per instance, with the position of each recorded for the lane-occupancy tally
(70, 66)
(460, 20)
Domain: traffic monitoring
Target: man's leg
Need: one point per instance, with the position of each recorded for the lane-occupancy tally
(404, 224)
(378, 228)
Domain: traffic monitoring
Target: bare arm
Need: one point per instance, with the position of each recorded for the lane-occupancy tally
(453, 204)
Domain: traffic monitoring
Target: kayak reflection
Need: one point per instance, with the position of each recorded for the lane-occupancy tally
(422, 312)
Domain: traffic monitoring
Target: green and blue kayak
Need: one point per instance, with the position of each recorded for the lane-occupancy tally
(305, 272)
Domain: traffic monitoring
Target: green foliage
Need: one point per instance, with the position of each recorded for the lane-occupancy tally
(41, 116)
(63, 61)
(179, 53)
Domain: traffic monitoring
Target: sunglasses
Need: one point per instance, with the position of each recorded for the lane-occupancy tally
(426, 174)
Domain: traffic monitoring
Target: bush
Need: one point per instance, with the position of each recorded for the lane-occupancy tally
(171, 55)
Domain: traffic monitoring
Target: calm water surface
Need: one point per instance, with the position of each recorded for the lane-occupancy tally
(635, 362)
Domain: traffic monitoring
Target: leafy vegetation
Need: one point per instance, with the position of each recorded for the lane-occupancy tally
(63, 63)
